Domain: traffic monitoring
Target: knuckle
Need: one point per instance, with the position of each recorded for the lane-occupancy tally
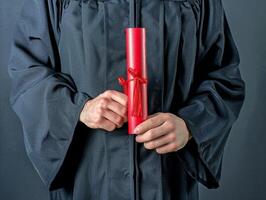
(152, 144)
(159, 151)
(170, 125)
(119, 119)
(100, 111)
(147, 145)
(124, 111)
(166, 116)
(103, 102)
(172, 137)
(120, 125)
(150, 134)
(111, 127)
(173, 147)
(97, 118)
(108, 92)
(152, 120)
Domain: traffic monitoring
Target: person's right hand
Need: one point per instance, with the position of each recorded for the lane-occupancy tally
(106, 111)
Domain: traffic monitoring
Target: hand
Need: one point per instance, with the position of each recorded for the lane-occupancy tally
(164, 132)
(107, 111)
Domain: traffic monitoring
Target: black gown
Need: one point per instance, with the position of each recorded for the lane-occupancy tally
(65, 52)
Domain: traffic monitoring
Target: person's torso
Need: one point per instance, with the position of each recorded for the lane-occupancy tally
(92, 51)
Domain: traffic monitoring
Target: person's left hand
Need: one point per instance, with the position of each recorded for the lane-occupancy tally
(164, 132)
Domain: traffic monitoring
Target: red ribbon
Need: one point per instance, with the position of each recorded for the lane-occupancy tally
(123, 82)
(137, 92)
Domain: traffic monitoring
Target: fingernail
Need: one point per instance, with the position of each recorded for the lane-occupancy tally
(136, 130)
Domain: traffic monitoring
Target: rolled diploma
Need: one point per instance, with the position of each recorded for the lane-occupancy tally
(135, 87)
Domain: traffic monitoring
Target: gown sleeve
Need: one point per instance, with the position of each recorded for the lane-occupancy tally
(215, 99)
(46, 100)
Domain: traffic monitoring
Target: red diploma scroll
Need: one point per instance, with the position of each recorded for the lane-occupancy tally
(135, 87)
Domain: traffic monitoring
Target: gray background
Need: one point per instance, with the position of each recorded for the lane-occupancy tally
(243, 175)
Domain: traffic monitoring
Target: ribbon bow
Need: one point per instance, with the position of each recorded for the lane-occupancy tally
(137, 92)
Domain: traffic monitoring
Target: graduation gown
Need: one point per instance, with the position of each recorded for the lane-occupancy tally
(66, 52)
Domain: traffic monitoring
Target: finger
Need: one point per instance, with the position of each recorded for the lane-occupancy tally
(153, 115)
(118, 108)
(113, 117)
(149, 123)
(153, 133)
(159, 142)
(125, 119)
(117, 96)
(170, 147)
(107, 125)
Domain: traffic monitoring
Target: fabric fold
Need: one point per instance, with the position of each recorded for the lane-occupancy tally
(215, 98)
(46, 101)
